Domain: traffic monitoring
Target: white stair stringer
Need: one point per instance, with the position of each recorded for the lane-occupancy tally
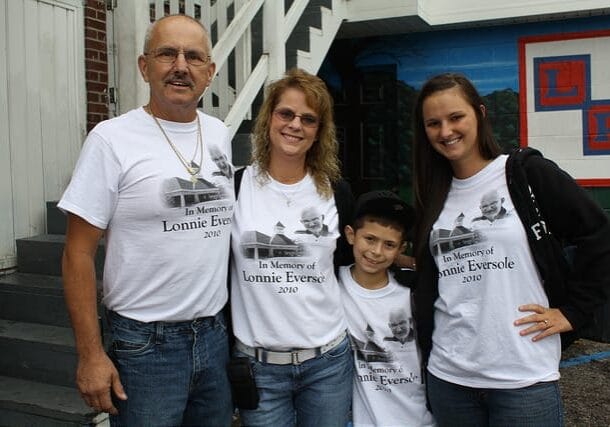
(321, 39)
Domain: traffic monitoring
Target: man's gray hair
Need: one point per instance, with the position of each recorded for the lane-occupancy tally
(152, 26)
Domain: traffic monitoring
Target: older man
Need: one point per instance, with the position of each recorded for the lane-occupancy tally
(401, 326)
(491, 208)
(144, 181)
(313, 222)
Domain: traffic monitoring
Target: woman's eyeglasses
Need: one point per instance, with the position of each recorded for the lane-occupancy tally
(287, 115)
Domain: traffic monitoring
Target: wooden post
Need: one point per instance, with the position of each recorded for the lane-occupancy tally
(274, 44)
(132, 20)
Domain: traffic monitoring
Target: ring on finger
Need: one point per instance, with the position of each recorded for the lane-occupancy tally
(546, 322)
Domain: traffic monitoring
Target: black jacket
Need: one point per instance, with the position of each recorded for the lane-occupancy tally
(563, 214)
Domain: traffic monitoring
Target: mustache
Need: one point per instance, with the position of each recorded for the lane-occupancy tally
(179, 79)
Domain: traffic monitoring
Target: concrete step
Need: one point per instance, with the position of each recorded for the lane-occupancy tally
(37, 352)
(34, 404)
(56, 219)
(42, 255)
(33, 298)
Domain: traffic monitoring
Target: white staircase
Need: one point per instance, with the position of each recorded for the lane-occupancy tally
(255, 41)
(231, 98)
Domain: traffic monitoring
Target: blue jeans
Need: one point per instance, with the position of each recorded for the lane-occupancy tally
(456, 405)
(316, 393)
(173, 373)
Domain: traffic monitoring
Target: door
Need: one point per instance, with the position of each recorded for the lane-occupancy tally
(42, 111)
(369, 128)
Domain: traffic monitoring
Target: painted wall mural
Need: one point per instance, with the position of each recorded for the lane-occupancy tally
(546, 85)
(565, 101)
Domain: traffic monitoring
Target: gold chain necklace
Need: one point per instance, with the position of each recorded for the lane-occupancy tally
(191, 167)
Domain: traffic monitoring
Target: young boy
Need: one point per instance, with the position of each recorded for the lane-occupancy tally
(388, 388)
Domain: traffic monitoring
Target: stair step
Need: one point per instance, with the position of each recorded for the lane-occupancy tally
(299, 38)
(33, 298)
(56, 219)
(37, 352)
(310, 21)
(31, 403)
(42, 255)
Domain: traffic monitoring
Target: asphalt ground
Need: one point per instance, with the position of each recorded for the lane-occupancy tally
(585, 384)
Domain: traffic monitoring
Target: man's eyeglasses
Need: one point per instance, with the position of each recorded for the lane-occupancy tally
(287, 115)
(168, 55)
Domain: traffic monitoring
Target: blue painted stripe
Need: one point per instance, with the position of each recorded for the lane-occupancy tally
(584, 359)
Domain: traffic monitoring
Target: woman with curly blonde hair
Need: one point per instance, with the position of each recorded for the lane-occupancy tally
(291, 210)
(321, 159)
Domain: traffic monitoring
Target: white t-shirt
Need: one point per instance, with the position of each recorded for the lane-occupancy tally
(284, 291)
(486, 271)
(167, 238)
(388, 388)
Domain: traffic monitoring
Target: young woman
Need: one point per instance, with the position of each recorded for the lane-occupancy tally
(288, 227)
(490, 302)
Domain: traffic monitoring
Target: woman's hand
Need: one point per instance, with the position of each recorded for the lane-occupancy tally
(545, 321)
(405, 261)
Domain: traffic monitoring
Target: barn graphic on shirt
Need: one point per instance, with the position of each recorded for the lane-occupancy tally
(257, 245)
(180, 193)
(368, 350)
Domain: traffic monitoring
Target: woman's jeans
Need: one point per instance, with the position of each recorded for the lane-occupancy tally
(174, 373)
(456, 405)
(315, 393)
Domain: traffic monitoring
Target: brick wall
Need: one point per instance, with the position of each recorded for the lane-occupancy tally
(96, 62)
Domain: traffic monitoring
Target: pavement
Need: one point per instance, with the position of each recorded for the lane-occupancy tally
(585, 384)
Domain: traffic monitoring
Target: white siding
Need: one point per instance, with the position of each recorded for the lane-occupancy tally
(440, 12)
(42, 111)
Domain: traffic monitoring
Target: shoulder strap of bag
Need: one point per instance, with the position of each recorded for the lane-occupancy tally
(239, 174)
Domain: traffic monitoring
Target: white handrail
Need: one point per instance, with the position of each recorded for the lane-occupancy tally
(227, 42)
(246, 95)
(292, 17)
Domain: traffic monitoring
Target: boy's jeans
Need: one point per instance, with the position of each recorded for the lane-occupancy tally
(174, 373)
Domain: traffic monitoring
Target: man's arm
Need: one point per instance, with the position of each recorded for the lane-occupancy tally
(95, 375)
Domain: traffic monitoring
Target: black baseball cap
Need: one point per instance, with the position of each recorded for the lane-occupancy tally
(385, 204)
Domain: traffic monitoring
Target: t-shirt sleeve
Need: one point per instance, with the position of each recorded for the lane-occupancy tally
(93, 190)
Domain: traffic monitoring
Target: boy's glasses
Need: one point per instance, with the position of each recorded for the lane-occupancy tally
(287, 115)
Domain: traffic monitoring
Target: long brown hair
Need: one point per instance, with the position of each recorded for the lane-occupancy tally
(432, 171)
(321, 160)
